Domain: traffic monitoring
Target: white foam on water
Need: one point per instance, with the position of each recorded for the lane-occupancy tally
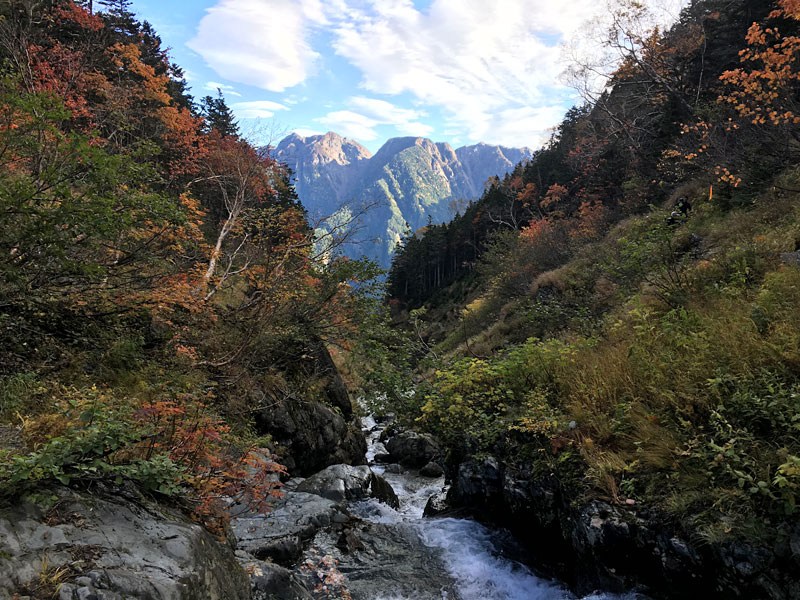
(471, 558)
(467, 548)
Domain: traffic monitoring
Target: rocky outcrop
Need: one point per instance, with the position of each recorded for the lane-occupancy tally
(412, 449)
(113, 548)
(326, 168)
(345, 482)
(596, 544)
(280, 534)
(312, 434)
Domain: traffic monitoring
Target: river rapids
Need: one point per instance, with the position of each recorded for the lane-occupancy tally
(462, 559)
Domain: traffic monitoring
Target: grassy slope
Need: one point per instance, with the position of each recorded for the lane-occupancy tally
(674, 360)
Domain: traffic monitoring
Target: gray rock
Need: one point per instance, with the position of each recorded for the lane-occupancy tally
(412, 449)
(312, 435)
(121, 549)
(791, 258)
(600, 525)
(279, 534)
(436, 505)
(432, 469)
(345, 482)
(477, 483)
(380, 561)
(269, 581)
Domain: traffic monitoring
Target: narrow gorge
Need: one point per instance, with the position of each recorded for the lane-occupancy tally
(552, 355)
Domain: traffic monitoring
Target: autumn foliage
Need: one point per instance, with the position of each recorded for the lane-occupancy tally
(141, 246)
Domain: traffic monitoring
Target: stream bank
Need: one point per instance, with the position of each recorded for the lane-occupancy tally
(359, 532)
(594, 544)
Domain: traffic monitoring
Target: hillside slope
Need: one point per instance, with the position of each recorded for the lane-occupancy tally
(607, 342)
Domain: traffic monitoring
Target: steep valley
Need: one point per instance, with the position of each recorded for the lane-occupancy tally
(408, 184)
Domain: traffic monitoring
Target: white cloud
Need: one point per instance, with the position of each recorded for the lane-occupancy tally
(383, 111)
(478, 65)
(213, 86)
(517, 127)
(259, 109)
(492, 71)
(257, 42)
(415, 129)
(372, 112)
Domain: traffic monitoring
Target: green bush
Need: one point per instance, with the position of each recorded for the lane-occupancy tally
(98, 441)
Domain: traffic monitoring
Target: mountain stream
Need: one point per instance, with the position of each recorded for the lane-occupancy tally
(435, 558)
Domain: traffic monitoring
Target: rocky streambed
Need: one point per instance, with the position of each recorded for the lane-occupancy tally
(361, 533)
(344, 532)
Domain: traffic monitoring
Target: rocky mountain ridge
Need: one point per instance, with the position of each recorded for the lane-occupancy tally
(408, 182)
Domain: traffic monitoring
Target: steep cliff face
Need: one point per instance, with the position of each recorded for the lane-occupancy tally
(481, 161)
(410, 180)
(326, 168)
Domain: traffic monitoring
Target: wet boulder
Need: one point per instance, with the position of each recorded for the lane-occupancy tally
(345, 482)
(432, 469)
(383, 457)
(279, 535)
(269, 581)
(379, 561)
(413, 449)
(436, 505)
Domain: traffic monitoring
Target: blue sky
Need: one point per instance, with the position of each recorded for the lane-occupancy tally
(460, 71)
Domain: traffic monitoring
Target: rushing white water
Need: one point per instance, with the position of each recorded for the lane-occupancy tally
(468, 549)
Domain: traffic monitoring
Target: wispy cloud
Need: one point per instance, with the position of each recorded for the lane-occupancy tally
(368, 113)
(213, 86)
(259, 109)
(474, 63)
(491, 72)
(257, 42)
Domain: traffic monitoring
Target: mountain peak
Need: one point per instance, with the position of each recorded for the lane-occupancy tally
(408, 180)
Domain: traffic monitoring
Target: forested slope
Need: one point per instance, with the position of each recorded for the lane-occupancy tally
(604, 341)
(162, 310)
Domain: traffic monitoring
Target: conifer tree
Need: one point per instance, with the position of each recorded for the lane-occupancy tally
(219, 116)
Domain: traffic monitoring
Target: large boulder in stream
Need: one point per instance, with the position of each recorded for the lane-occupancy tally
(381, 561)
(412, 449)
(345, 482)
(279, 535)
(110, 548)
(312, 435)
(314, 504)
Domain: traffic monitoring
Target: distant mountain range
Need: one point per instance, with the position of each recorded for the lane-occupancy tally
(408, 181)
